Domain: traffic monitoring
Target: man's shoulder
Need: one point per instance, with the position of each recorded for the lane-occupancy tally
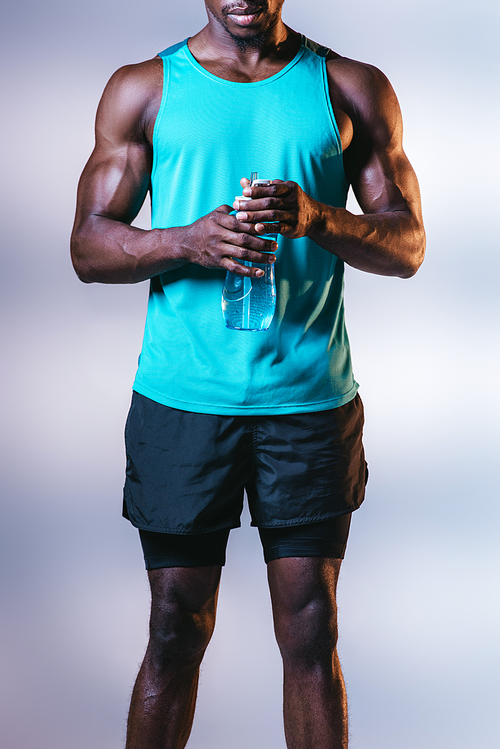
(131, 100)
(139, 76)
(353, 84)
(354, 75)
(358, 86)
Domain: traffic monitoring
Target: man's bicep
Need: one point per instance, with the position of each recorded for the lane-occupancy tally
(385, 182)
(381, 176)
(117, 176)
(115, 183)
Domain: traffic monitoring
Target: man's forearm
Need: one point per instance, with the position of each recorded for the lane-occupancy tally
(389, 244)
(108, 251)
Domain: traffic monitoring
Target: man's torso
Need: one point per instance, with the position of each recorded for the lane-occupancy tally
(209, 132)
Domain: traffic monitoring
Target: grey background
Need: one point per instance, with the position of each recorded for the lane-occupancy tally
(419, 607)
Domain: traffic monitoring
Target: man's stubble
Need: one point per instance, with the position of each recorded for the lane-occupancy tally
(255, 41)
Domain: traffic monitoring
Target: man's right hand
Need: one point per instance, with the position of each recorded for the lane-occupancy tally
(219, 240)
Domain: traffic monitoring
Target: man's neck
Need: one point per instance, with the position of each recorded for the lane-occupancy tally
(217, 51)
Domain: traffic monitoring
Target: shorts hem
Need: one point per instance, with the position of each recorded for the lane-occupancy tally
(305, 520)
(177, 532)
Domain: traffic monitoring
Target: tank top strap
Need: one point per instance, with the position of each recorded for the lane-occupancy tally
(173, 49)
(318, 49)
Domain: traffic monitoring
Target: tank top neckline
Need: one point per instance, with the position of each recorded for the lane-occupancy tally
(194, 62)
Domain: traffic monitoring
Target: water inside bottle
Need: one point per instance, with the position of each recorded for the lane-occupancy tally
(249, 303)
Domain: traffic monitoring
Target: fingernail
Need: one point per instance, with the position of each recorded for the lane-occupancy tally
(241, 216)
(259, 227)
(247, 192)
(259, 273)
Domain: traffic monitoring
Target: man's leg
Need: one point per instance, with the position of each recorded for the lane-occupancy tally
(182, 621)
(303, 594)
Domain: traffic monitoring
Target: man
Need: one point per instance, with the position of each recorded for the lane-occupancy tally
(214, 410)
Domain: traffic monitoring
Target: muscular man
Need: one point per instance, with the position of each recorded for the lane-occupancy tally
(216, 411)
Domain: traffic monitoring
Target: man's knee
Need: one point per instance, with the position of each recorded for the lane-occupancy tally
(179, 637)
(310, 635)
(305, 609)
(182, 618)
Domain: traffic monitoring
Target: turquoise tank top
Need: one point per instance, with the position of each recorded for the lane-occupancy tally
(209, 133)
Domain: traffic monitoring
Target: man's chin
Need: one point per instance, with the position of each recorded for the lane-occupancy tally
(253, 40)
(251, 35)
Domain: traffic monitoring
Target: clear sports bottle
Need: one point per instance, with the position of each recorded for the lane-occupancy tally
(249, 303)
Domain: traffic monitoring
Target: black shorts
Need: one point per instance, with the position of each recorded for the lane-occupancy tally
(186, 472)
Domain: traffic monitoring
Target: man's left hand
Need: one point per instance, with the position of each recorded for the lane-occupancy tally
(283, 206)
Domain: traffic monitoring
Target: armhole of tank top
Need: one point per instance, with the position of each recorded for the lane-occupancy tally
(166, 78)
(335, 127)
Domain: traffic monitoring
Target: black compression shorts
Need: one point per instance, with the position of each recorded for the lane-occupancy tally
(326, 539)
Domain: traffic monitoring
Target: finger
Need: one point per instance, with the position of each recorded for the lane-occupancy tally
(259, 244)
(248, 233)
(276, 187)
(268, 217)
(228, 263)
(225, 209)
(244, 182)
(233, 224)
(283, 202)
(252, 248)
(242, 208)
(242, 245)
(244, 257)
(269, 228)
(240, 260)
